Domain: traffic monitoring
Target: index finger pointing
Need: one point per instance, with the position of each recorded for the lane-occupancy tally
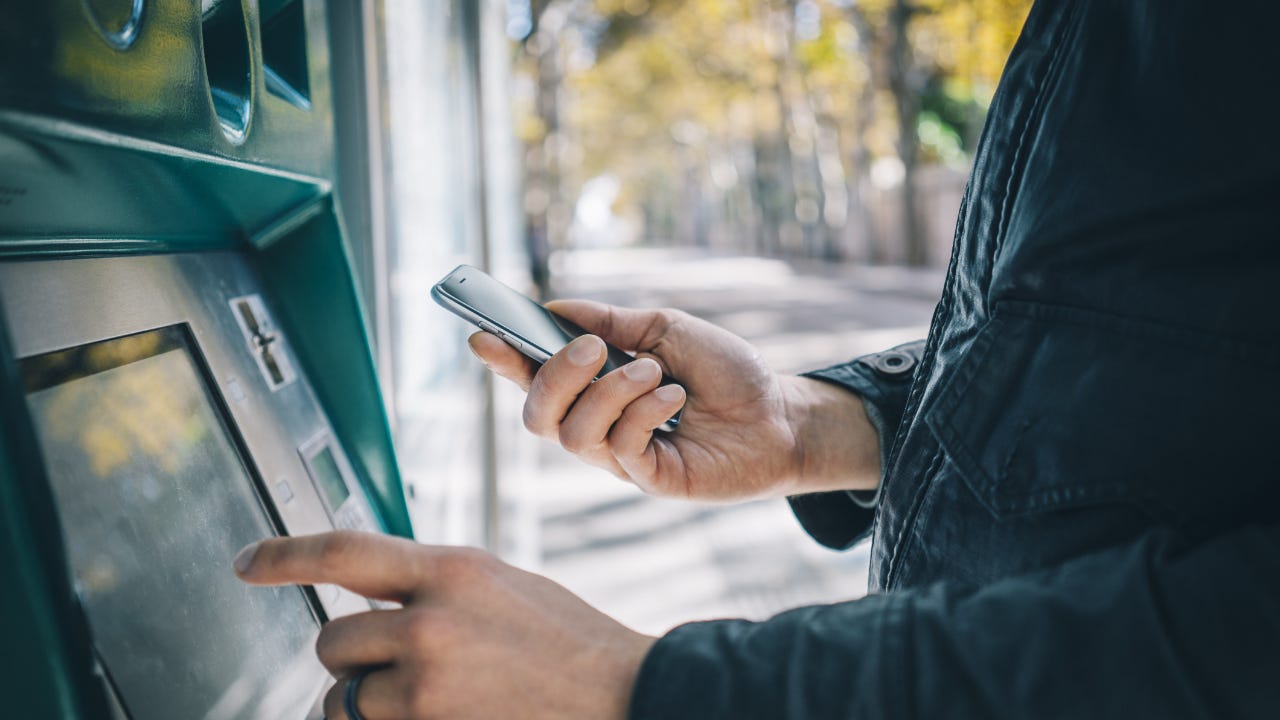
(374, 565)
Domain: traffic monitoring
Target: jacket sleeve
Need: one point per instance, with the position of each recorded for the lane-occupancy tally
(1140, 631)
(841, 518)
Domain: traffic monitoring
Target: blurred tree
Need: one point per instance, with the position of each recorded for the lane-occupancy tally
(782, 127)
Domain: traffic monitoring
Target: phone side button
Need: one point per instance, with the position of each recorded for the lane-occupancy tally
(489, 329)
(513, 342)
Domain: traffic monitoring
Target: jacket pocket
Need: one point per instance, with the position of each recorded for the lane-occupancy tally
(1055, 407)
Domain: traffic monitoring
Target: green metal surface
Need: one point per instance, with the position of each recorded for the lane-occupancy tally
(168, 134)
(307, 272)
(162, 199)
(304, 265)
(182, 80)
(167, 130)
(46, 666)
(79, 189)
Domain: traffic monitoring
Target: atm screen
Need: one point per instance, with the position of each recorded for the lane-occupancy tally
(155, 500)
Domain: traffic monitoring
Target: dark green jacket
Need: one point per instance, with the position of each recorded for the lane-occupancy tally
(1078, 514)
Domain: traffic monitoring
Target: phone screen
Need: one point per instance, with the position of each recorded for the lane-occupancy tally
(519, 316)
(531, 328)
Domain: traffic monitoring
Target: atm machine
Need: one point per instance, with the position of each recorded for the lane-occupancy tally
(184, 361)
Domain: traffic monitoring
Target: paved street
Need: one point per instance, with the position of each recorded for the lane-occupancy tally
(655, 563)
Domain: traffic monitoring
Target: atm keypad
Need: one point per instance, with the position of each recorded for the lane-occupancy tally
(335, 484)
(351, 516)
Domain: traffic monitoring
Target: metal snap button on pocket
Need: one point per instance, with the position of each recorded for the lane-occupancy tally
(892, 362)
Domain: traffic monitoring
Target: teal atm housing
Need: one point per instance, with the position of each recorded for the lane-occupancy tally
(184, 360)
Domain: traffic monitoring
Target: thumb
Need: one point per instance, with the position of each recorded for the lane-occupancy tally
(635, 330)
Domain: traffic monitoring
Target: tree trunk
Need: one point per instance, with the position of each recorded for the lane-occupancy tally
(864, 238)
(907, 100)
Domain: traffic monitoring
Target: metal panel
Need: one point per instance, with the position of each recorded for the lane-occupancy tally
(54, 305)
(135, 127)
(59, 60)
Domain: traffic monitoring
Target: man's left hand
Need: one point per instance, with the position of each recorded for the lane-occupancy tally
(475, 638)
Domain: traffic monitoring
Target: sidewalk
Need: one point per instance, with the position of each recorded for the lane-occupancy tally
(656, 563)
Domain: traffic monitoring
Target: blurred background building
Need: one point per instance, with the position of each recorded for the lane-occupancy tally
(790, 169)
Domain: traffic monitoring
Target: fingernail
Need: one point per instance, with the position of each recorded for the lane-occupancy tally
(669, 393)
(245, 558)
(643, 370)
(584, 351)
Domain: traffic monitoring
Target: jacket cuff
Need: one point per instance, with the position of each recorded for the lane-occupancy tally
(882, 380)
(786, 667)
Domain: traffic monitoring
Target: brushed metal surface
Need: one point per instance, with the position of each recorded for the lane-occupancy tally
(57, 304)
(57, 60)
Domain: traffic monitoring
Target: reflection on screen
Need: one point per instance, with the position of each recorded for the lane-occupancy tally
(155, 501)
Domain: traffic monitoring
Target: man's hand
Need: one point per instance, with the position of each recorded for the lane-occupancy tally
(746, 431)
(476, 638)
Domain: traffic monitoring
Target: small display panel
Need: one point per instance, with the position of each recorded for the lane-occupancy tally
(324, 469)
(155, 500)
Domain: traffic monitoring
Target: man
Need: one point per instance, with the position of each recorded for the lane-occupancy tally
(1070, 484)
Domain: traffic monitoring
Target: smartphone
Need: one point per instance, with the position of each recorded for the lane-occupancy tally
(473, 295)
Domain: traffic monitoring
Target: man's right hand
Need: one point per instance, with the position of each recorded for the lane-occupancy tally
(745, 432)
